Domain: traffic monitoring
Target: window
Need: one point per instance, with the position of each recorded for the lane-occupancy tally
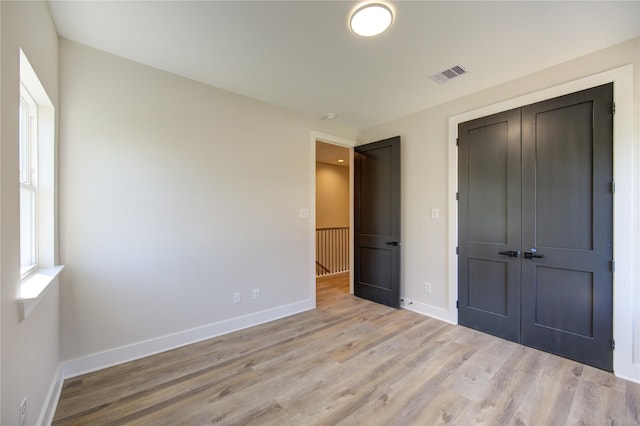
(28, 182)
(37, 169)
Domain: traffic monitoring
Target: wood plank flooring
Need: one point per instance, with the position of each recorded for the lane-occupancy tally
(350, 362)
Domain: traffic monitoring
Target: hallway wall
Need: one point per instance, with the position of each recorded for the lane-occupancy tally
(332, 196)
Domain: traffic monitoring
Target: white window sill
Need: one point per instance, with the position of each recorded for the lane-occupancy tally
(34, 288)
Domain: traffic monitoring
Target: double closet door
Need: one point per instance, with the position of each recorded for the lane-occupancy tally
(536, 225)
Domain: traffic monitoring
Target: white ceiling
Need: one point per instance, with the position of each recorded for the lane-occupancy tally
(300, 55)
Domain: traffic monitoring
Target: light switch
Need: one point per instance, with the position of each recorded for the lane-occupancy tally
(304, 213)
(435, 214)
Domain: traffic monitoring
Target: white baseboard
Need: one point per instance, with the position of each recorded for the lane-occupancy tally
(51, 402)
(629, 371)
(429, 310)
(111, 357)
(634, 378)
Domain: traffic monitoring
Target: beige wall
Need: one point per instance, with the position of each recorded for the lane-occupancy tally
(30, 349)
(332, 196)
(425, 174)
(173, 196)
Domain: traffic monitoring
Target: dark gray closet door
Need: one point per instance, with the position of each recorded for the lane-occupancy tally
(567, 216)
(536, 225)
(489, 224)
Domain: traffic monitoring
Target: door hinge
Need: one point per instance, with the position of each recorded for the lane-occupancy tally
(612, 186)
(457, 305)
(457, 141)
(613, 344)
(613, 108)
(457, 250)
(613, 265)
(457, 196)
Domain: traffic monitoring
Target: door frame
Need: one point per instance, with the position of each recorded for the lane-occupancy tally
(624, 206)
(317, 136)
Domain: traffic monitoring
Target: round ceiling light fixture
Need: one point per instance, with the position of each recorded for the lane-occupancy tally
(371, 19)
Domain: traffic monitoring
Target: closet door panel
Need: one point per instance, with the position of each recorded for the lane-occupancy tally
(489, 224)
(567, 293)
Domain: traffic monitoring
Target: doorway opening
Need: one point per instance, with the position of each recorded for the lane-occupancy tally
(333, 230)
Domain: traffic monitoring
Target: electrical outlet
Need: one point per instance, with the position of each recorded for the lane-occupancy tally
(255, 294)
(427, 287)
(22, 419)
(236, 297)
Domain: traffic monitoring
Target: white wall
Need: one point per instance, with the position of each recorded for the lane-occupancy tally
(425, 174)
(30, 349)
(173, 196)
(332, 196)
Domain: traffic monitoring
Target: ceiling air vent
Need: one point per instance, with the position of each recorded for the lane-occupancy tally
(449, 74)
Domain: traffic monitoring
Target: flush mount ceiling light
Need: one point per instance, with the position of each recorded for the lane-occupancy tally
(371, 19)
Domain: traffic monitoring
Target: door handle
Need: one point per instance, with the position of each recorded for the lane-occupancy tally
(394, 243)
(510, 253)
(529, 255)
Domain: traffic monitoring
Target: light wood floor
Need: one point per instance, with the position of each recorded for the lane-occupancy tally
(351, 362)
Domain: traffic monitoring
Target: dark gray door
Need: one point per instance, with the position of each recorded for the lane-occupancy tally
(541, 274)
(489, 212)
(567, 216)
(377, 221)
